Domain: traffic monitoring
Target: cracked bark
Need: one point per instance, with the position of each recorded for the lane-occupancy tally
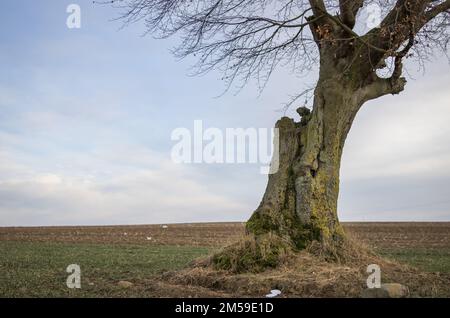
(300, 202)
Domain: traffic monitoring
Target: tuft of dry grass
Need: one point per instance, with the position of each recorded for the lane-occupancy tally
(255, 254)
(252, 254)
(307, 273)
(35, 264)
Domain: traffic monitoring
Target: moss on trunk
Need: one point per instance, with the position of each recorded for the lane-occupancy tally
(299, 206)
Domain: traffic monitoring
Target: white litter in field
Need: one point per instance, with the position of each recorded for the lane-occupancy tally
(164, 226)
(149, 238)
(125, 233)
(273, 293)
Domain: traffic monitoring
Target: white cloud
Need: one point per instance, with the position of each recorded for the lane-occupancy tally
(147, 189)
(405, 135)
(73, 125)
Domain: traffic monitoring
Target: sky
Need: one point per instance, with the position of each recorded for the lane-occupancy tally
(87, 115)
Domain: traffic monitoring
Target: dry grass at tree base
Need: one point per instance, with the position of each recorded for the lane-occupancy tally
(306, 273)
(34, 261)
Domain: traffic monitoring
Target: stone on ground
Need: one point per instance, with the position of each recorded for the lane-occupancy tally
(392, 290)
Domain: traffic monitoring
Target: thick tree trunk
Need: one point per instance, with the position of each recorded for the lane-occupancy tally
(299, 206)
(300, 202)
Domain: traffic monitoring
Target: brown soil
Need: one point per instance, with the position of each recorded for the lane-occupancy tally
(398, 234)
(301, 275)
(308, 274)
(304, 275)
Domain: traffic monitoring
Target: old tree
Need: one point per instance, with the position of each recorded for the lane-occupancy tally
(250, 38)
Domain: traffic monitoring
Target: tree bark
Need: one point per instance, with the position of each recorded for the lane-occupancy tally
(299, 206)
(300, 202)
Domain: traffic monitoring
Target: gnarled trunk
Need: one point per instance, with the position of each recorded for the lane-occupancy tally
(299, 206)
(300, 202)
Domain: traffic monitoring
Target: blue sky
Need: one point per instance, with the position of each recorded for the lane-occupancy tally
(87, 114)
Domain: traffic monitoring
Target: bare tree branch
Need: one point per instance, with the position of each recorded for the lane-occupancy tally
(249, 39)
